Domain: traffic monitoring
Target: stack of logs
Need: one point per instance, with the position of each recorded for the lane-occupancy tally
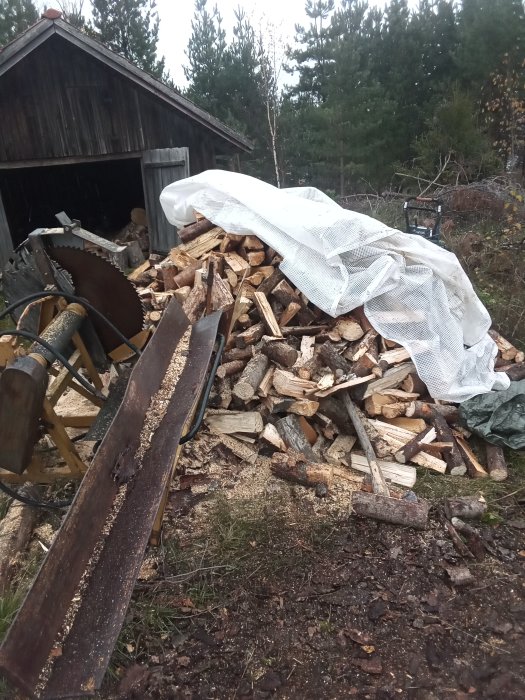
(278, 389)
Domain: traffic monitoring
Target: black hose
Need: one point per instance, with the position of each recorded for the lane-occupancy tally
(31, 501)
(71, 297)
(37, 339)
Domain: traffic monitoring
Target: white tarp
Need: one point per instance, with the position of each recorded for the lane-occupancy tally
(413, 291)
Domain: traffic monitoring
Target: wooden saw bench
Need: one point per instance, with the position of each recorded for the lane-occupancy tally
(61, 640)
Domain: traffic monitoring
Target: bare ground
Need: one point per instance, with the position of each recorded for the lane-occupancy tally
(262, 590)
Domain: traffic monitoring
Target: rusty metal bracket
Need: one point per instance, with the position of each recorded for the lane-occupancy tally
(94, 566)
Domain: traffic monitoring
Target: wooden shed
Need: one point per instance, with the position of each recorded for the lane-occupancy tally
(85, 131)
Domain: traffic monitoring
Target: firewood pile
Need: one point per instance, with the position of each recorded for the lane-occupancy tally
(287, 365)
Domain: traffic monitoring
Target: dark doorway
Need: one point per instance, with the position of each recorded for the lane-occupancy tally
(101, 194)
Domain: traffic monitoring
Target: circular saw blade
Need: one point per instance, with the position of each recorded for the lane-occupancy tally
(107, 289)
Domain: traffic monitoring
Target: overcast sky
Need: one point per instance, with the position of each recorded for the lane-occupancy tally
(176, 16)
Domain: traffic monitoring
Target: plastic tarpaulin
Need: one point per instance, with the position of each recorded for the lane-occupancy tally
(414, 292)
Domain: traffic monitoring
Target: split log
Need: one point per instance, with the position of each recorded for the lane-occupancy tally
(239, 354)
(193, 231)
(394, 357)
(252, 243)
(364, 346)
(358, 421)
(255, 257)
(414, 446)
(335, 411)
(271, 282)
(399, 395)
(348, 328)
(287, 384)
(227, 369)
(235, 262)
(455, 463)
(250, 336)
(339, 450)
(393, 410)
(248, 383)
(235, 422)
(195, 303)
(280, 352)
(186, 277)
(507, 349)
(271, 436)
(520, 357)
(413, 384)
(303, 330)
(344, 385)
(293, 467)
(139, 272)
(284, 293)
(474, 468)
(465, 507)
(400, 474)
(389, 439)
(266, 382)
(289, 313)
(307, 349)
(475, 542)
(239, 449)
(290, 430)
(333, 359)
(155, 316)
(414, 425)
(362, 318)
(399, 511)
(390, 379)
(225, 392)
(419, 409)
(267, 315)
(304, 407)
(374, 404)
(496, 464)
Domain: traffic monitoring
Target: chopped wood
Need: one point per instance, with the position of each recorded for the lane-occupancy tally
(289, 313)
(290, 430)
(232, 278)
(256, 257)
(400, 474)
(393, 410)
(359, 421)
(250, 335)
(280, 352)
(204, 243)
(399, 395)
(399, 511)
(415, 425)
(420, 409)
(415, 445)
(287, 384)
(333, 359)
(235, 262)
(474, 468)
(267, 315)
(413, 385)
(390, 379)
(239, 449)
(364, 346)
(139, 271)
(507, 349)
(474, 540)
(252, 243)
(455, 463)
(339, 450)
(465, 507)
(308, 430)
(334, 409)
(394, 357)
(266, 382)
(345, 385)
(519, 357)
(225, 392)
(304, 407)
(186, 276)
(374, 404)
(193, 231)
(195, 303)
(271, 282)
(496, 464)
(389, 439)
(307, 349)
(236, 422)
(348, 328)
(362, 319)
(227, 369)
(239, 354)
(248, 383)
(271, 436)
(155, 316)
(303, 330)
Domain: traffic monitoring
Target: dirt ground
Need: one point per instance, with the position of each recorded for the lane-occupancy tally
(262, 590)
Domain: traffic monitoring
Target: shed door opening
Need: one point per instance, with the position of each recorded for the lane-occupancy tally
(101, 194)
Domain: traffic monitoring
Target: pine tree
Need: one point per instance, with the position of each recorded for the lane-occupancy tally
(130, 28)
(15, 17)
(206, 57)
